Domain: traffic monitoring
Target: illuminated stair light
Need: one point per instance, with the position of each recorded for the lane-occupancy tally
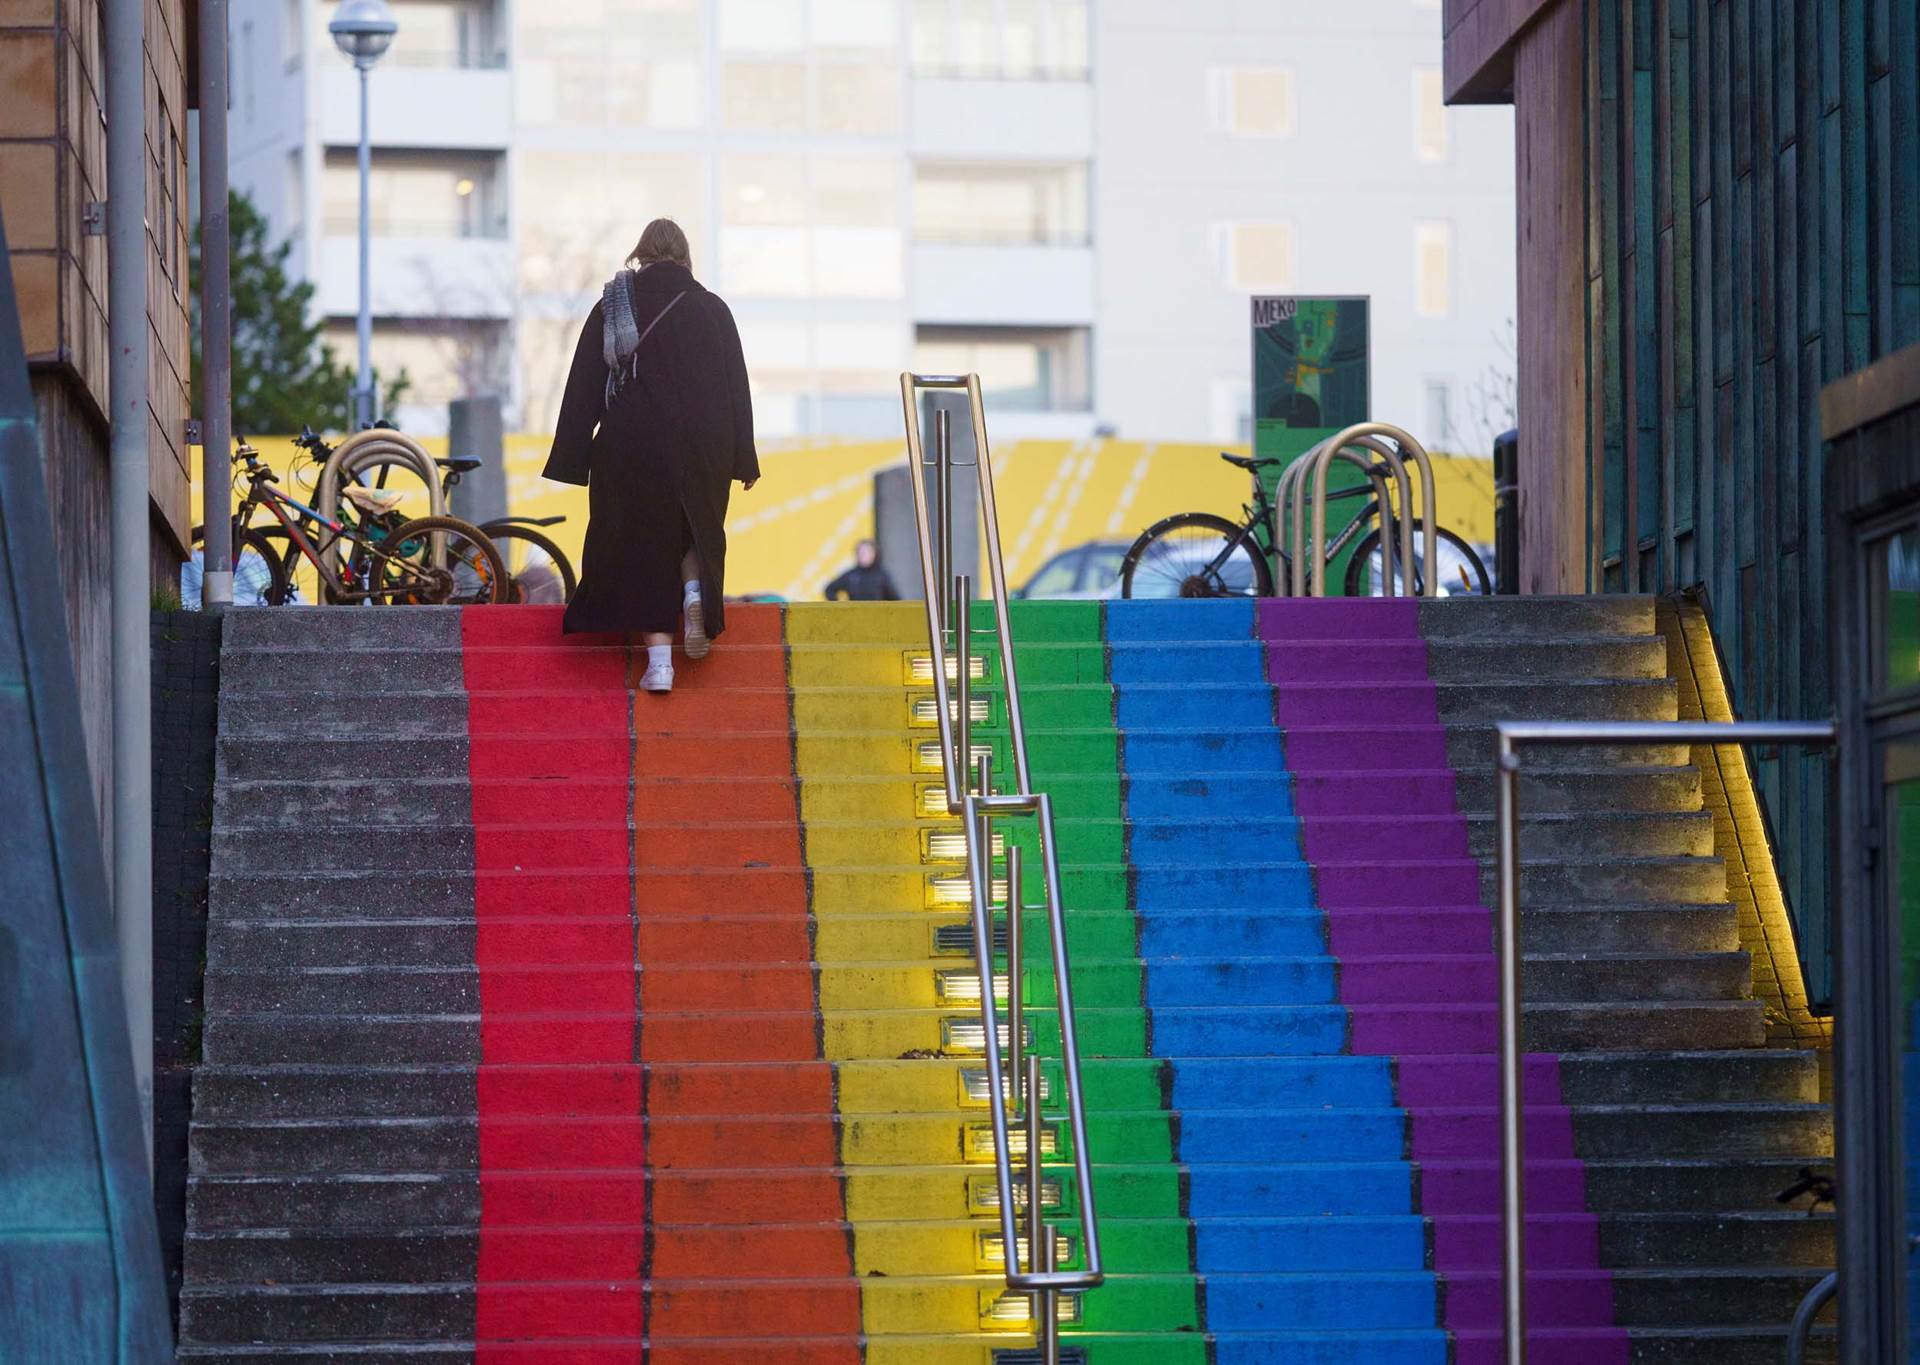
(933, 801)
(973, 1079)
(950, 846)
(965, 1033)
(957, 889)
(1069, 1355)
(925, 711)
(1001, 1309)
(963, 988)
(983, 1194)
(920, 667)
(990, 1250)
(927, 756)
(979, 1142)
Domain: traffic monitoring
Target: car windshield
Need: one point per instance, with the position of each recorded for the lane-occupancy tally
(1103, 565)
(1055, 576)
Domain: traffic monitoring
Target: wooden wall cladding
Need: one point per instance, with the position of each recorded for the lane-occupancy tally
(1753, 207)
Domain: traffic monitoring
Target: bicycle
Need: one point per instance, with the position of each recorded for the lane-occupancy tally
(1199, 554)
(534, 562)
(392, 560)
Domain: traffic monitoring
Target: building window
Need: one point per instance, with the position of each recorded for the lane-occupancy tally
(1439, 431)
(1257, 257)
(416, 194)
(765, 97)
(1252, 101)
(629, 63)
(863, 99)
(1003, 204)
(1000, 39)
(448, 33)
(1432, 269)
(1429, 116)
(1027, 369)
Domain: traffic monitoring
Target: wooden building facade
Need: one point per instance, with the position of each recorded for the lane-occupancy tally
(53, 168)
(1719, 213)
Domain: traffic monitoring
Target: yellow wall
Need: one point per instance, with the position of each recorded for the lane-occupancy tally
(797, 528)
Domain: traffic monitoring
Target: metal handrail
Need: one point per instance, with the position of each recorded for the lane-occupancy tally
(977, 810)
(1509, 738)
(1288, 512)
(1366, 435)
(1802, 1329)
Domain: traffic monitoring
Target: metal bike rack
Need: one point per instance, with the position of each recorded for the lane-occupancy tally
(1802, 1329)
(378, 445)
(1287, 513)
(1372, 436)
(948, 601)
(1509, 738)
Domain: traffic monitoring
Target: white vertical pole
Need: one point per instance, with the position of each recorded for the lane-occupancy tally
(131, 598)
(363, 393)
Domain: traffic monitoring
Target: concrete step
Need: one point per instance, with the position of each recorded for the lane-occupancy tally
(330, 629)
(1632, 787)
(1458, 618)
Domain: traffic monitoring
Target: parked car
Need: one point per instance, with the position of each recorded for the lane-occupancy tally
(1091, 570)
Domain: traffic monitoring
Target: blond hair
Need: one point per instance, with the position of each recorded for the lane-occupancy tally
(662, 241)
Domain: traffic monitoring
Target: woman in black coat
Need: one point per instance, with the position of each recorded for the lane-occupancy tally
(657, 423)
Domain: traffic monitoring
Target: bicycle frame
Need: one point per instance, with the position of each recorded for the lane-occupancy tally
(264, 493)
(1260, 518)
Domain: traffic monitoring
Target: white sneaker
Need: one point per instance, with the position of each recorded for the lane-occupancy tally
(696, 643)
(657, 678)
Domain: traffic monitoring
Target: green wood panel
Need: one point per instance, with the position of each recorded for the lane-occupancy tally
(1753, 234)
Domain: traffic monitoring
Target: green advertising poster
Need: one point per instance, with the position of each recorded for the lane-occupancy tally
(1310, 371)
(1311, 379)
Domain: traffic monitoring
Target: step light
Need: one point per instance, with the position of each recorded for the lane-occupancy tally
(963, 988)
(957, 937)
(927, 756)
(1069, 1355)
(979, 1142)
(990, 1251)
(1000, 1309)
(973, 1086)
(957, 889)
(926, 711)
(920, 667)
(933, 801)
(965, 1033)
(983, 1194)
(950, 846)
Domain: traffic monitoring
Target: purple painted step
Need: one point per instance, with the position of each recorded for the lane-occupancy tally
(1377, 888)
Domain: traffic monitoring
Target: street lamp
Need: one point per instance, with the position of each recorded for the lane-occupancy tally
(363, 30)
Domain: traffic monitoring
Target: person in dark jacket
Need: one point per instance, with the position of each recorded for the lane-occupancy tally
(866, 581)
(658, 424)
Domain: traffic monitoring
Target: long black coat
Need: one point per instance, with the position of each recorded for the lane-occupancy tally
(659, 463)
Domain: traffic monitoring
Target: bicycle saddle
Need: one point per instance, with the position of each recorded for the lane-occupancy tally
(373, 501)
(1246, 462)
(460, 464)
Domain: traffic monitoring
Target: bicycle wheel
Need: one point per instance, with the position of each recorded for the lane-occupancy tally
(538, 571)
(1461, 572)
(1195, 554)
(403, 571)
(259, 573)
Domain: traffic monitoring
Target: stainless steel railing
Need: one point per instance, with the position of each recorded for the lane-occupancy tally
(1014, 1086)
(1509, 738)
(1394, 447)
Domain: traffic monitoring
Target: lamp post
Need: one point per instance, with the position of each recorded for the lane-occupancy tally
(363, 30)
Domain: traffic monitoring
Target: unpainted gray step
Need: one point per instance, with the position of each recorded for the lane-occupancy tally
(1590, 1078)
(382, 848)
(1748, 1345)
(1470, 749)
(332, 629)
(1599, 880)
(1626, 979)
(238, 1315)
(1598, 833)
(293, 717)
(1466, 658)
(1711, 1296)
(344, 674)
(335, 753)
(346, 894)
(1716, 1239)
(1775, 1130)
(356, 803)
(1630, 1184)
(1632, 787)
(1655, 1026)
(1626, 926)
(1491, 700)
(1531, 618)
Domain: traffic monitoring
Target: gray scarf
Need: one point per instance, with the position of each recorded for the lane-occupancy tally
(622, 334)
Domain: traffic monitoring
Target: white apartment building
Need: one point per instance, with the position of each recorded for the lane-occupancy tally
(1074, 197)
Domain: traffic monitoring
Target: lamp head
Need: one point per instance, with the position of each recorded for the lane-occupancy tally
(363, 30)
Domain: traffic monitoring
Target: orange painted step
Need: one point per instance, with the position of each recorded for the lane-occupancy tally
(668, 800)
(714, 1143)
(762, 1252)
(743, 1196)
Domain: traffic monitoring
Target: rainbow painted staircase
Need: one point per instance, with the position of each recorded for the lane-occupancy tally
(552, 1022)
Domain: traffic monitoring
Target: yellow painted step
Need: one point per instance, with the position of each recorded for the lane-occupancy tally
(839, 752)
(848, 844)
(842, 938)
(916, 1310)
(977, 1349)
(883, 798)
(929, 1140)
(906, 1193)
(924, 984)
(879, 889)
(895, 625)
(919, 1085)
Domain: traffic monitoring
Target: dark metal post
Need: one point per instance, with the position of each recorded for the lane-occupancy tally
(1506, 512)
(215, 398)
